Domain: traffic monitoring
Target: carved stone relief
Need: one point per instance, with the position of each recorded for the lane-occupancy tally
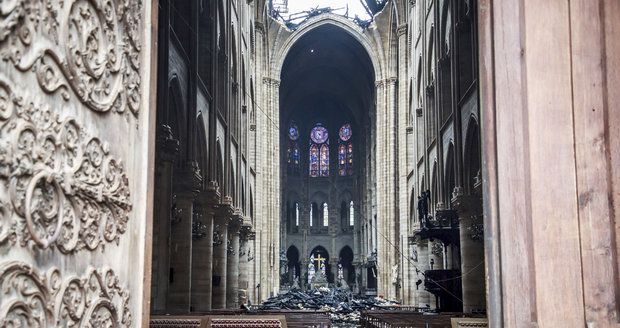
(65, 67)
(32, 298)
(91, 47)
(59, 187)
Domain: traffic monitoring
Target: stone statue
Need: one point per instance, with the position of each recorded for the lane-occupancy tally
(311, 269)
(423, 201)
(395, 274)
(295, 283)
(420, 208)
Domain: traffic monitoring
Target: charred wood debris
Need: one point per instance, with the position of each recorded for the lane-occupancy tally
(344, 307)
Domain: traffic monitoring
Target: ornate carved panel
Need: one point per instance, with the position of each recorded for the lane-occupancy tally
(33, 298)
(73, 187)
(65, 190)
(91, 47)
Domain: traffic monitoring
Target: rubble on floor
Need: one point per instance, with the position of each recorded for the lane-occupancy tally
(344, 307)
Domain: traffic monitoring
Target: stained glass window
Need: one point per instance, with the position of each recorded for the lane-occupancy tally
(351, 214)
(324, 160)
(350, 159)
(319, 134)
(292, 152)
(345, 151)
(342, 159)
(314, 160)
(345, 132)
(293, 132)
(297, 214)
(319, 152)
(325, 215)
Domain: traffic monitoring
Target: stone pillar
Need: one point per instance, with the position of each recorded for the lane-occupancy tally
(202, 248)
(303, 274)
(401, 150)
(252, 273)
(187, 183)
(223, 214)
(232, 264)
(245, 238)
(424, 297)
(469, 208)
(167, 150)
(333, 268)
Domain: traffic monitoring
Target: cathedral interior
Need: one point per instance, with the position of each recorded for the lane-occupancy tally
(352, 141)
(203, 163)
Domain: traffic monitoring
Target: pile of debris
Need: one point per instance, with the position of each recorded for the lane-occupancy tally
(341, 304)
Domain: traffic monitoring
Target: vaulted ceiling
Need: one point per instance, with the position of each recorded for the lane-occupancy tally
(328, 77)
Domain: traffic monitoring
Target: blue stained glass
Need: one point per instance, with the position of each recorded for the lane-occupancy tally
(345, 132)
(324, 160)
(319, 134)
(293, 132)
(314, 161)
(296, 155)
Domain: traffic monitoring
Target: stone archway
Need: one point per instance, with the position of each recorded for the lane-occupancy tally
(321, 252)
(293, 263)
(346, 260)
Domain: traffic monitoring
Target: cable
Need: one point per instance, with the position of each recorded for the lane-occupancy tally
(462, 275)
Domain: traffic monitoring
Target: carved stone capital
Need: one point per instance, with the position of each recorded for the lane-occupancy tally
(236, 220)
(187, 181)
(271, 81)
(401, 30)
(209, 196)
(223, 213)
(247, 232)
(167, 145)
(467, 205)
(386, 82)
(473, 226)
(259, 27)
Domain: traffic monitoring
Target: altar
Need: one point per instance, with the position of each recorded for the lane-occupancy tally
(317, 278)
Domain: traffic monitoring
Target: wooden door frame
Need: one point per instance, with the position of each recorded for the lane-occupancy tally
(492, 242)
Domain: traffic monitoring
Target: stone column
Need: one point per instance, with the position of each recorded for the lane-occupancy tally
(202, 248)
(424, 297)
(303, 274)
(232, 264)
(333, 268)
(167, 151)
(469, 208)
(401, 150)
(223, 214)
(187, 183)
(245, 238)
(252, 273)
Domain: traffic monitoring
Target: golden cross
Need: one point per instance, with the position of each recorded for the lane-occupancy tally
(319, 260)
